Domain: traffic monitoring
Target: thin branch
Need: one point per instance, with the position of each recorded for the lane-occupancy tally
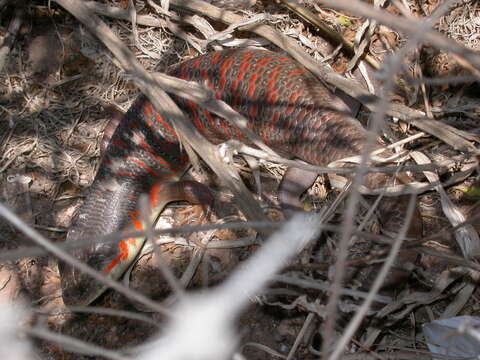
(11, 34)
(362, 311)
(74, 345)
(101, 311)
